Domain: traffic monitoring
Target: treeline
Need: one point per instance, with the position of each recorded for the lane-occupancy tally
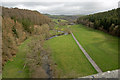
(18, 14)
(26, 17)
(108, 21)
(18, 25)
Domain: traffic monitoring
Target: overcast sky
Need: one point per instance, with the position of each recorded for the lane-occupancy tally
(63, 7)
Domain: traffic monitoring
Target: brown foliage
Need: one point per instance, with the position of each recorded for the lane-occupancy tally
(13, 31)
(19, 14)
(34, 58)
(9, 39)
(14, 34)
(42, 30)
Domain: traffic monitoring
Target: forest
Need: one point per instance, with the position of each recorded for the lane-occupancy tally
(108, 21)
(18, 25)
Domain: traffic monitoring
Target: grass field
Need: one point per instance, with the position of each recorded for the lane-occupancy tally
(14, 69)
(102, 47)
(68, 57)
(71, 62)
(61, 20)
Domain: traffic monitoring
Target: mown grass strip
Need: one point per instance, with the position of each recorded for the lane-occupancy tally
(102, 47)
(87, 56)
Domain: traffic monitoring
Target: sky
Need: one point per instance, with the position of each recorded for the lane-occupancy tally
(63, 7)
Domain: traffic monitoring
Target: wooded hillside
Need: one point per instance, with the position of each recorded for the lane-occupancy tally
(18, 14)
(18, 25)
(108, 21)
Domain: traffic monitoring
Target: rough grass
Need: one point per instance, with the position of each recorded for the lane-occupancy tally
(14, 69)
(69, 59)
(53, 32)
(102, 47)
(0, 76)
(61, 20)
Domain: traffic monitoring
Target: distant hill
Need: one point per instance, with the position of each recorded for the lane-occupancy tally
(65, 17)
(108, 21)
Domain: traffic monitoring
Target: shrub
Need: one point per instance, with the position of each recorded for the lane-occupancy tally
(14, 31)
(27, 25)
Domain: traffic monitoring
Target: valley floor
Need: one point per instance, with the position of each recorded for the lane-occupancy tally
(69, 59)
(71, 62)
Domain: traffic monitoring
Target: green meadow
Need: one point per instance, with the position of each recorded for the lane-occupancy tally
(61, 20)
(15, 68)
(102, 47)
(69, 58)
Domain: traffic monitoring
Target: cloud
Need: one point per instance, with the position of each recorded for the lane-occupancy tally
(65, 7)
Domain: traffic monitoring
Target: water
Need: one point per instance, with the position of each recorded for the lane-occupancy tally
(45, 58)
(46, 63)
(63, 33)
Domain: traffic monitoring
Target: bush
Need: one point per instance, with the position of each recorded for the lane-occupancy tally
(14, 18)
(27, 25)
(14, 31)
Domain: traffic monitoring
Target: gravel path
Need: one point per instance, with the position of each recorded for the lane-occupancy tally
(88, 57)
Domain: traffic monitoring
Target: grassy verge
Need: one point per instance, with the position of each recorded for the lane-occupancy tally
(70, 61)
(0, 76)
(102, 47)
(14, 69)
(53, 32)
